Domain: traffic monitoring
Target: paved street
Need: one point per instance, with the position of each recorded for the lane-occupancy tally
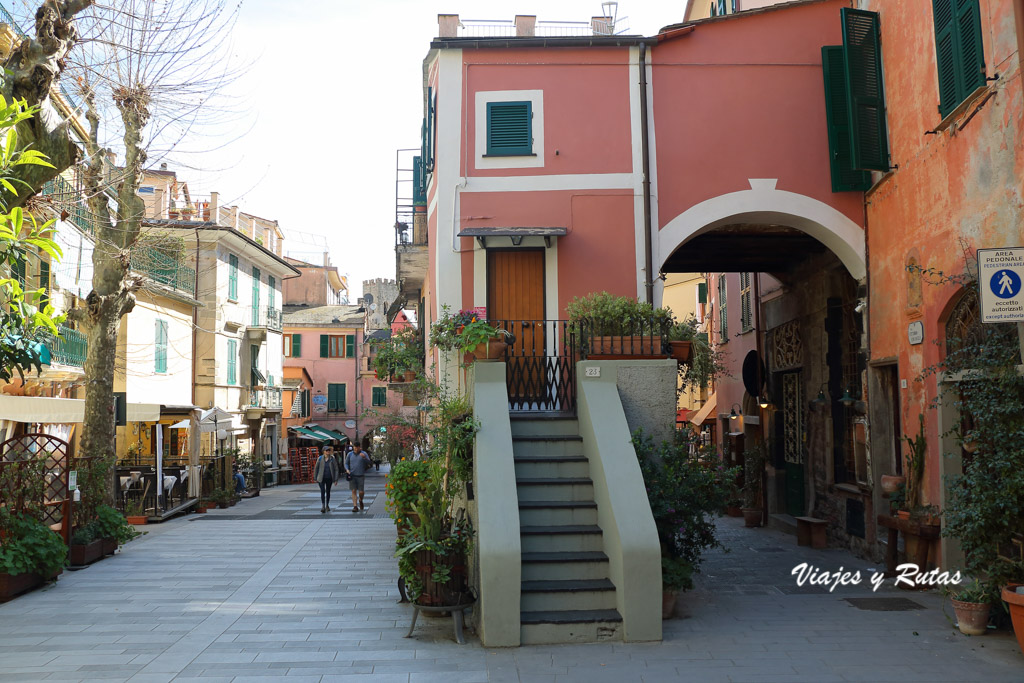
(271, 588)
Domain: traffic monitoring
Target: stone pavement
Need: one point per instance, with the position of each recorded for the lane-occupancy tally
(273, 589)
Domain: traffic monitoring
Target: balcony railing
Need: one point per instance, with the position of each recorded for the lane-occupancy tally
(268, 398)
(70, 348)
(268, 317)
(65, 198)
(167, 270)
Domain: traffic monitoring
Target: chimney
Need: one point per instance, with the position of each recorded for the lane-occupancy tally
(163, 166)
(213, 207)
(447, 25)
(601, 26)
(526, 25)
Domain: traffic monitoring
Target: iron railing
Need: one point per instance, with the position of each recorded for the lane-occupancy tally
(66, 199)
(70, 348)
(164, 269)
(628, 338)
(268, 398)
(540, 365)
(269, 317)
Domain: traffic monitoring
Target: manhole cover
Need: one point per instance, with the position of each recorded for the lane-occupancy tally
(884, 604)
(802, 590)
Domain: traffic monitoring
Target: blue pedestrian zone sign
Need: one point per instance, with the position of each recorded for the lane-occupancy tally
(1000, 275)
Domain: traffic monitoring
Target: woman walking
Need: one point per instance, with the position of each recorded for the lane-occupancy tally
(326, 473)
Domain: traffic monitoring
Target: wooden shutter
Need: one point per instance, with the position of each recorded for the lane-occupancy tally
(255, 296)
(959, 51)
(380, 396)
(335, 398)
(232, 277)
(324, 341)
(296, 345)
(160, 347)
(232, 360)
(702, 292)
(862, 50)
(837, 115)
(350, 346)
(509, 128)
(271, 284)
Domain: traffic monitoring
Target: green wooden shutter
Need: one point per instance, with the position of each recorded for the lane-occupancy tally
(350, 346)
(341, 397)
(233, 277)
(271, 284)
(255, 296)
(869, 137)
(723, 311)
(837, 115)
(702, 292)
(296, 345)
(160, 347)
(959, 51)
(44, 283)
(324, 341)
(509, 128)
(335, 398)
(232, 360)
(380, 396)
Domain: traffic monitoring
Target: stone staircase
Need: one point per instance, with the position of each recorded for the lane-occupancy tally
(566, 594)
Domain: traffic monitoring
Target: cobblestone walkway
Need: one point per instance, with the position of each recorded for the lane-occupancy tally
(273, 589)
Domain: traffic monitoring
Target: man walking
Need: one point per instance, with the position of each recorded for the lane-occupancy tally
(326, 473)
(356, 464)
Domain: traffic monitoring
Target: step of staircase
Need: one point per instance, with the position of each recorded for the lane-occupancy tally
(555, 566)
(557, 512)
(568, 537)
(547, 444)
(551, 466)
(567, 595)
(570, 626)
(555, 488)
(556, 425)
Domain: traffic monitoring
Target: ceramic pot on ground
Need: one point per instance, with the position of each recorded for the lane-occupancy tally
(891, 483)
(972, 617)
(668, 602)
(136, 519)
(1013, 594)
(752, 517)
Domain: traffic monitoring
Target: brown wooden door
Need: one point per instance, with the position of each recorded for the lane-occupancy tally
(515, 301)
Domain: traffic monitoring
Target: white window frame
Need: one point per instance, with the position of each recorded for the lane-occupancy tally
(536, 100)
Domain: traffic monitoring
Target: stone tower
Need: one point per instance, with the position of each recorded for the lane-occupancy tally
(378, 295)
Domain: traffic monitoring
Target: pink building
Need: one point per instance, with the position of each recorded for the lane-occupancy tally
(553, 167)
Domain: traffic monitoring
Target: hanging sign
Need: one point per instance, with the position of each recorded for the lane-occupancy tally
(1000, 274)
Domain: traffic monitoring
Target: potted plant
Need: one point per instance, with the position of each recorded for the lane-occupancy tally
(113, 529)
(681, 337)
(1013, 596)
(86, 546)
(30, 553)
(399, 356)
(222, 497)
(479, 340)
(753, 470)
(405, 484)
(890, 483)
(135, 509)
(620, 327)
(685, 492)
(972, 603)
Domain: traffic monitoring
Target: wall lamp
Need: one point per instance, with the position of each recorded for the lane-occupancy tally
(821, 400)
(763, 401)
(848, 398)
(732, 411)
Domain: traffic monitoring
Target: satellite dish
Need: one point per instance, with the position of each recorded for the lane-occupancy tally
(373, 307)
(368, 298)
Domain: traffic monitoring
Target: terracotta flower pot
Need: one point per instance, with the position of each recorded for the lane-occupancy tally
(1016, 602)
(752, 517)
(891, 483)
(136, 519)
(681, 350)
(733, 511)
(972, 617)
(494, 349)
(669, 596)
(625, 347)
(409, 376)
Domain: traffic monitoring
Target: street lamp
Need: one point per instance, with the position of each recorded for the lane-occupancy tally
(821, 401)
(732, 411)
(847, 400)
(763, 401)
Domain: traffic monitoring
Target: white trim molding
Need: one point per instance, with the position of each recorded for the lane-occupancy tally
(536, 99)
(762, 203)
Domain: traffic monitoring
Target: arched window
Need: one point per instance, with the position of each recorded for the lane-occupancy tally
(964, 326)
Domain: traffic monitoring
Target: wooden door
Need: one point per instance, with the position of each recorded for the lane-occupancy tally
(515, 301)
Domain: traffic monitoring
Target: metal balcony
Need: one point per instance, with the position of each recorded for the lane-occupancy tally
(264, 399)
(163, 269)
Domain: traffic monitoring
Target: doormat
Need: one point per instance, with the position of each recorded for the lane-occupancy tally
(884, 604)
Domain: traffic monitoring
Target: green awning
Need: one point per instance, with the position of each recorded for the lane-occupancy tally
(309, 434)
(330, 434)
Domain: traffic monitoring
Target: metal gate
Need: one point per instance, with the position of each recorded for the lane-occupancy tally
(34, 474)
(541, 365)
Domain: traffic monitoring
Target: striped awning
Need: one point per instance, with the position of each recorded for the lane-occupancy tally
(310, 434)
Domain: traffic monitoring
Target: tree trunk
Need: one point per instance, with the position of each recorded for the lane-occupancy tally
(35, 66)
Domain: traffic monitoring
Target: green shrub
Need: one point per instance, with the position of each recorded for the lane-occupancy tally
(111, 524)
(30, 547)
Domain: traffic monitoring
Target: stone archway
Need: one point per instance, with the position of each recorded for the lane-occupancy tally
(765, 204)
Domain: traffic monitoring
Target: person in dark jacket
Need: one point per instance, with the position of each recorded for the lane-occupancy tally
(356, 464)
(326, 473)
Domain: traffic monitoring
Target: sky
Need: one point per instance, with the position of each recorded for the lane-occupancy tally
(333, 88)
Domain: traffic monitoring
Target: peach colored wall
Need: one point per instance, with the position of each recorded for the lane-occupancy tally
(324, 371)
(744, 98)
(948, 189)
(586, 105)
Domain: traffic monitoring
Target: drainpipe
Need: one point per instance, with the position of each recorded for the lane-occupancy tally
(195, 318)
(644, 143)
